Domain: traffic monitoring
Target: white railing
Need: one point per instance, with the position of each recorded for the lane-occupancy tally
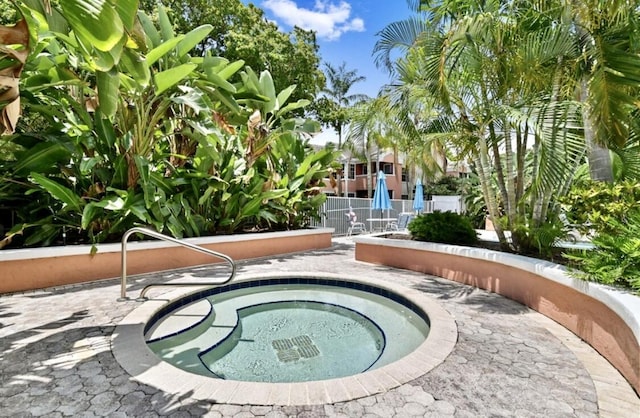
(333, 213)
(155, 234)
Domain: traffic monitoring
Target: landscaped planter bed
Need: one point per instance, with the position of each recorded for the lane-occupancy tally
(28, 269)
(608, 319)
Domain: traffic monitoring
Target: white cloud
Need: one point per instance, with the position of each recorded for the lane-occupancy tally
(329, 20)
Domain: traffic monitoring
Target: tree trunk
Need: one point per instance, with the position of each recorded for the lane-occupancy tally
(484, 174)
(338, 177)
(600, 164)
(510, 177)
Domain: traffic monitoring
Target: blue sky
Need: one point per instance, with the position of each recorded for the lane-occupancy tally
(346, 32)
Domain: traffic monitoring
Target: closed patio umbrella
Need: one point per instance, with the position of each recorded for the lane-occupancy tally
(381, 195)
(418, 198)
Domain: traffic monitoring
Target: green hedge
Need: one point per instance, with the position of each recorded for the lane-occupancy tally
(443, 227)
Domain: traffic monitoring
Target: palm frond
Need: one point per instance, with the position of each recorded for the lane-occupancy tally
(558, 128)
(398, 37)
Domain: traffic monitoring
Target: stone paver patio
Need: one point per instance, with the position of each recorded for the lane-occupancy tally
(56, 359)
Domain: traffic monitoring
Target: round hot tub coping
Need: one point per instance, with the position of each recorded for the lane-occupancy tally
(132, 353)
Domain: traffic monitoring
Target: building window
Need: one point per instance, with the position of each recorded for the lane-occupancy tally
(352, 171)
(387, 168)
(404, 174)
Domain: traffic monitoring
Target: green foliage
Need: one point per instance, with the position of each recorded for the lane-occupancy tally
(444, 227)
(332, 109)
(241, 32)
(475, 207)
(444, 186)
(189, 146)
(8, 13)
(591, 206)
(522, 129)
(540, 240)
(615, 258)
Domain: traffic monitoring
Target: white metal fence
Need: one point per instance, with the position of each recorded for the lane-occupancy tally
(333, 213)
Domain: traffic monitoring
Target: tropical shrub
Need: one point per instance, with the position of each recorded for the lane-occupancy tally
(443, 227)
(615, 258)
(542, 240)
(475, 207)
(592, 206)
(169, 142)
(445, 186)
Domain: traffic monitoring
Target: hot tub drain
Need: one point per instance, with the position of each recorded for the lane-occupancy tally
(293, 349)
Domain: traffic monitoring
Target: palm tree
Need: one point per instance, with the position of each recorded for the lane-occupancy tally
(487, 70)
(367, 134)
(332, 108)
(340, 81)
(607, 76)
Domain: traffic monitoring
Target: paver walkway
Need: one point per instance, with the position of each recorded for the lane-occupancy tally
(55, 357)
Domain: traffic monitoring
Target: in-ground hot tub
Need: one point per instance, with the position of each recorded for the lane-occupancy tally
(302, 339)
(287, 330)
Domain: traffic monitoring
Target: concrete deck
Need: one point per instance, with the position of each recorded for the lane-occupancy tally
(56, 357)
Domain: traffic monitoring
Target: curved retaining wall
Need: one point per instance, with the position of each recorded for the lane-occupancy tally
(606, 318)
(28, 269)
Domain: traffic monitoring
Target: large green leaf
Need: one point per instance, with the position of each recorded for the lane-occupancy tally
(193, 98)
(41, 158)
(193, 38)
(135, 204)
(293, 106)
(161, 50)
(104, 60)
(159, 181)
(226, 99)
(148, 189)
(215, 63)
(231, 69)
(268, 89)
(169, 78)
(250, 80)
(108, 84)
(136, 66)
(149, 29)
(251, 208)
(218, 81)
(59, 192)
(96, 22)
(44, 234)
(120, 167)
(127, 10)
(283, 96)
(113, 203)
(166, 28)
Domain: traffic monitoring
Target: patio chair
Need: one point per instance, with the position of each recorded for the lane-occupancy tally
(357, 228)
(354, 225)
(402, 222)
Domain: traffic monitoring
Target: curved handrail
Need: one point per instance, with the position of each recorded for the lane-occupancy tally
(155, 234)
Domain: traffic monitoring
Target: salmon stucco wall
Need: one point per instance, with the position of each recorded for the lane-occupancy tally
(22, 270)
(589, 318)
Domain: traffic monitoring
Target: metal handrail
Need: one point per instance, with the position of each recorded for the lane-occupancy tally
(155, 234)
